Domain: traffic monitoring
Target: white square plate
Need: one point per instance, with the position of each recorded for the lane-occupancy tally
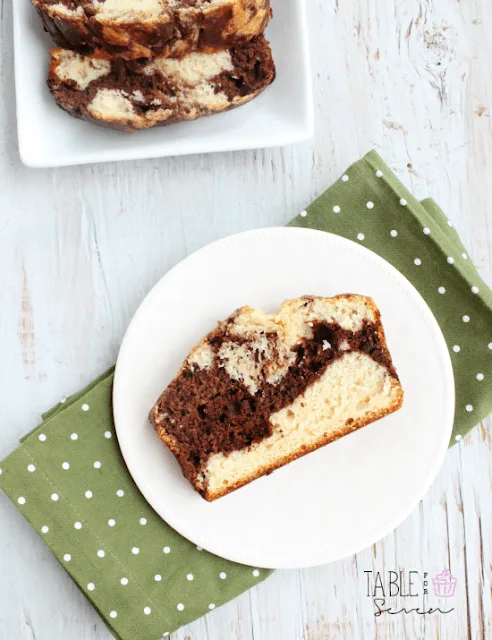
(48, 137)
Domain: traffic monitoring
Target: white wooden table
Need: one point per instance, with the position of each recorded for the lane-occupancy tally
(80, 247)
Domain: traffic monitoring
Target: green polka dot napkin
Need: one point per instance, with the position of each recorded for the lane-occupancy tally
(70, 482)
(369, 205)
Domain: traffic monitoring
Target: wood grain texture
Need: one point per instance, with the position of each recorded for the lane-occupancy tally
(80, 247)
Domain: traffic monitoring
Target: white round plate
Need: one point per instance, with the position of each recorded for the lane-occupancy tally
(337, 500)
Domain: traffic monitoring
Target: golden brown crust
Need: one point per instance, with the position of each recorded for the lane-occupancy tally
(173, 446)
(221, 27)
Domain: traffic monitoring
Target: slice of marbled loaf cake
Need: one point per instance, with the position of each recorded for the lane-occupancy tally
(140, 94)
(148, 28)
(262, 390)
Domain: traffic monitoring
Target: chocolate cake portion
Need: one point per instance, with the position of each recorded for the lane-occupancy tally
(147, 28)
(248, 387)
(139, 94)
(228, 418)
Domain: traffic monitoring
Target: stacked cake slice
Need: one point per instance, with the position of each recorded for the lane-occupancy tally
(135, 64)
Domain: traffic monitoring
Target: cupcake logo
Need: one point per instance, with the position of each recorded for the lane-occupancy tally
(444, 584)
(405, 592)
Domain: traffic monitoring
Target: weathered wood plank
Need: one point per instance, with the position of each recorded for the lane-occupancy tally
(80, 247)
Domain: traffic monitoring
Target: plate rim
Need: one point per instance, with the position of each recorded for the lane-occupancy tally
(447, 374)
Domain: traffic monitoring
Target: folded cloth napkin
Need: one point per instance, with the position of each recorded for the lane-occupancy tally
(68, 478)
(70, 482)
(369, 205)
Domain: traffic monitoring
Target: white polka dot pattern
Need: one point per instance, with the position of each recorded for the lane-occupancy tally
(79, 497)
(198, 591)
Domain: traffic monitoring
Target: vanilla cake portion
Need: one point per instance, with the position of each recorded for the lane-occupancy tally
(139, 94)
(146, 28)
(262, 390)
